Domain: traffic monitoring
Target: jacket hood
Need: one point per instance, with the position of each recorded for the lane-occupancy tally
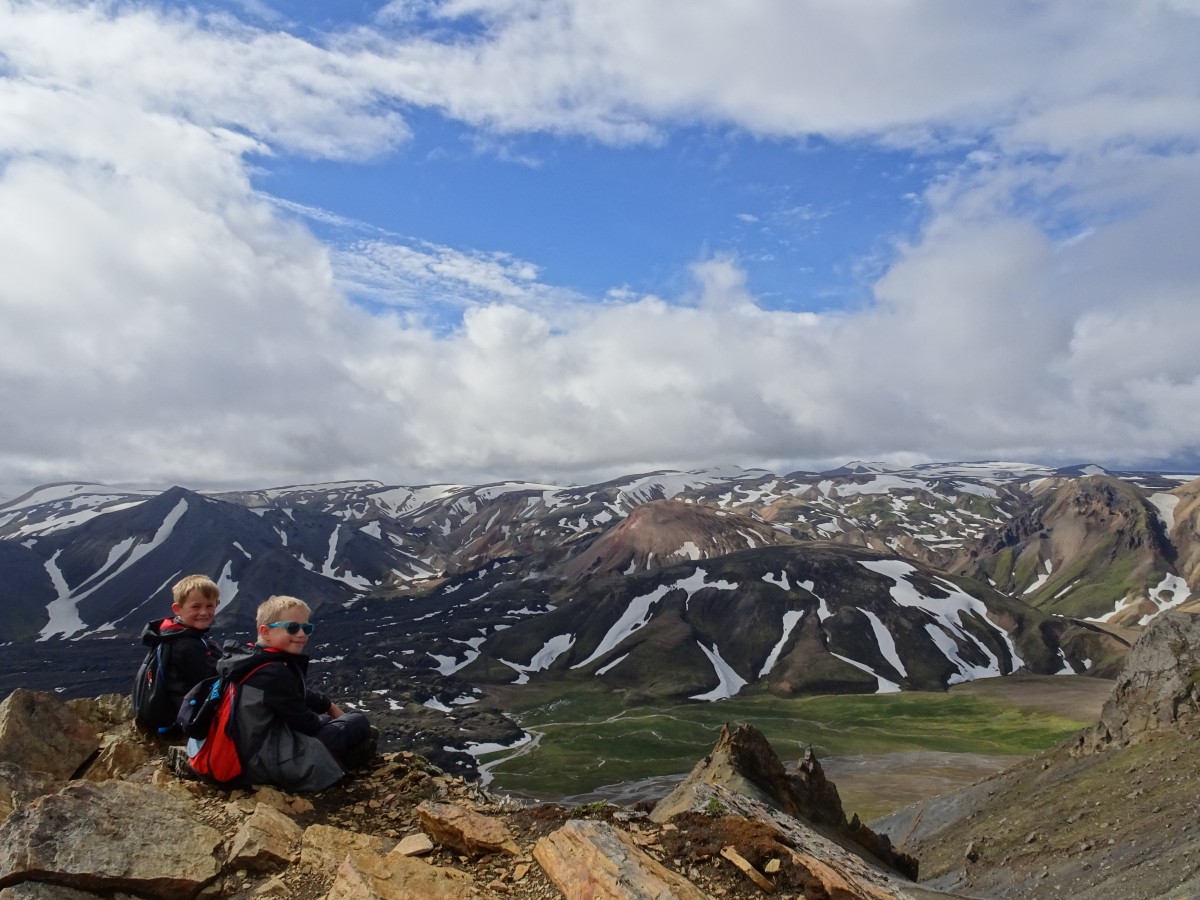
(239, 658)
(164, 629)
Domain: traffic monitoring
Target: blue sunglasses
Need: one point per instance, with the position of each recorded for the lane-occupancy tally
(293, 627)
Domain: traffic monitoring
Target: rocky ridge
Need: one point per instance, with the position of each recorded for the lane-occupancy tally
(91, 810)
(1109, 814)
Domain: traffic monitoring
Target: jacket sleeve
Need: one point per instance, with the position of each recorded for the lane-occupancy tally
(284, 695)
(318, 702)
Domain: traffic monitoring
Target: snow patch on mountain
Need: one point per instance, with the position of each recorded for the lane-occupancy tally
(543, 658)
(448, 665)
(823, 610)
(880, 484)
(227, 586)
(638, 612)
(492, 491)
(1041, 579)
(608, 667)
(1165, 505)
(791, 619)
(63, 610)
(635, 617)
(979, 490)
(884, 686)
(662, 486)
(887, 644)
(64, 616)
(729, 682)
(357, 582)
(780, 580)
(1172, 591)
(947, 613)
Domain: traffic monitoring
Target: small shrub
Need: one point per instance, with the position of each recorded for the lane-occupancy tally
(591, 810)
(715, 808)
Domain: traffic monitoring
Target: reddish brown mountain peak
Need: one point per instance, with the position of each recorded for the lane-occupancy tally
(666, 532)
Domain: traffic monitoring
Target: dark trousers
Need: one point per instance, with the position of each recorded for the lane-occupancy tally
(347, 738)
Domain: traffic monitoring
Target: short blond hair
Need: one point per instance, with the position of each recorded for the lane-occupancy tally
(273, 607)
(202, 583)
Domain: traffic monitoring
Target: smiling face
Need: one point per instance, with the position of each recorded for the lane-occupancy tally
(277, 638)
(196, 610)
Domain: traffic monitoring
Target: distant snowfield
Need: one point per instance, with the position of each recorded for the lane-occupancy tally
(947, 613)
(1169, 593)
(64, 612)
(1165, 504)
(729, 682)
(1043, 577)
(791, 619)
(76, 503)
(637, 614)
(543, 659)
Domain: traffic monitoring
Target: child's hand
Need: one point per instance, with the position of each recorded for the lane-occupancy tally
(334, 712)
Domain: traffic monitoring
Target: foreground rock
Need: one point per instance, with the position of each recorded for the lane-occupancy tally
(111, 836)
(1158, 688)
(594, 859)
(41, 733)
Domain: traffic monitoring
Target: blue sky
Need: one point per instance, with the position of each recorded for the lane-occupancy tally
(463, 240)
(804, 217)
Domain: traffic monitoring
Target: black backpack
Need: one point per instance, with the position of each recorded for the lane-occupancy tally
(150, 705)
(200, 706)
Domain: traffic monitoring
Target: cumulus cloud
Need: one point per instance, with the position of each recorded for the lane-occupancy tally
(161, 320)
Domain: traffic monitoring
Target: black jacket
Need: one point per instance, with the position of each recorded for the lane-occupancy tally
(189, 656)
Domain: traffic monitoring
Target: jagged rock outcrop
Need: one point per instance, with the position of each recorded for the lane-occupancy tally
(744, 763)
(1158, 688)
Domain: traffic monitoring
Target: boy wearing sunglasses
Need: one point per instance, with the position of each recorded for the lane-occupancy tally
(285, 734)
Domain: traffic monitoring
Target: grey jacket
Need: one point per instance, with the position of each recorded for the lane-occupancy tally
(277, 719)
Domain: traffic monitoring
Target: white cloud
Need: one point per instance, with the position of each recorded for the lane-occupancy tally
(161, 320)
(908, 70)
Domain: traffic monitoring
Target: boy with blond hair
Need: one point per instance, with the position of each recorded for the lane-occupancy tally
(285, 734)
(182, 654)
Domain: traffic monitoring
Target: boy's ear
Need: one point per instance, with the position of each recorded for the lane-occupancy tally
(175, 607)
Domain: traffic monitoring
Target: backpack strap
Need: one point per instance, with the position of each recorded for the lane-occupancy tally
(261, 665)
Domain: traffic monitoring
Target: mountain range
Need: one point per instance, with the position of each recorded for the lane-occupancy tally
(673, 585)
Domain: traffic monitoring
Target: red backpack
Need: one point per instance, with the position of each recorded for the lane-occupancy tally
(217, 760)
